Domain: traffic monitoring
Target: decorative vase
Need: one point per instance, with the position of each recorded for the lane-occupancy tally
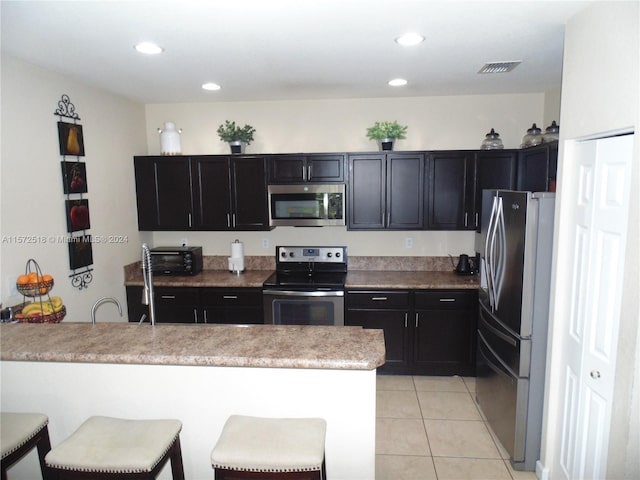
(170, 139)
(237, 146)
(386, 143)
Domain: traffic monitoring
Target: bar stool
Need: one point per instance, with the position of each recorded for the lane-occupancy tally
(270, 449)
(19, 434)
(114, 448)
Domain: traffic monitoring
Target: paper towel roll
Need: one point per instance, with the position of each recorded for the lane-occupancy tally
(237, 250)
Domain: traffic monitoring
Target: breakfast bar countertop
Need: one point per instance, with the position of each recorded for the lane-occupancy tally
(266, 346)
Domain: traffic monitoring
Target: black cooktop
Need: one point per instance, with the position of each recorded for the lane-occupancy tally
(300, 279)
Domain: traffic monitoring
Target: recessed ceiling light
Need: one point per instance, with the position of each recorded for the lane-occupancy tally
(148, 48)
(410, 39)
(397, 82)
(210, 86)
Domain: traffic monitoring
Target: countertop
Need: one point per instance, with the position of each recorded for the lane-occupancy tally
(206, 278)
(267, 346)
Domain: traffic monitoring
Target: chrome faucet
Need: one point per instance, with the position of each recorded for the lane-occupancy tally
(99, 302)
(147, 291)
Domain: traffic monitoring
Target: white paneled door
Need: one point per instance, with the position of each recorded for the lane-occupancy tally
(590, 331)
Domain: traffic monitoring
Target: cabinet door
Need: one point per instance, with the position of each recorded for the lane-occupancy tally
(325, 168)
(366, 206)
(232, 306)
(451, 188)
(212, 192)
(394, 325)
(444, 335)
(536, 168)
(249, 194)
(177, 305)
(163, 191)
(405, 191)
(287, 169)
(494, 169)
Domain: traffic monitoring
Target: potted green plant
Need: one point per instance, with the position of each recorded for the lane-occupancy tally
(385, 133)
(236, 136)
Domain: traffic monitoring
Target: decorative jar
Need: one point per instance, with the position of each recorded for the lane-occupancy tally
(492, 141)
(532, 138)
(170, 139)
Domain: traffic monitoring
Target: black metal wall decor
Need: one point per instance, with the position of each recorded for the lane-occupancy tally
(75, 185)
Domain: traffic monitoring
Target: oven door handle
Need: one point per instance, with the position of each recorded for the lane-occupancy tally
(297, 293)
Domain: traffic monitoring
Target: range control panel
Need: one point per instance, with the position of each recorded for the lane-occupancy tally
(312, 254)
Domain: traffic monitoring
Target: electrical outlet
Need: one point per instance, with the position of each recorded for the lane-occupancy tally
(408, 242)
(265, 243)
(184, 242)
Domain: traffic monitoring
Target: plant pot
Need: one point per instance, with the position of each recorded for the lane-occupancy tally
(237, 147)
(386, 143)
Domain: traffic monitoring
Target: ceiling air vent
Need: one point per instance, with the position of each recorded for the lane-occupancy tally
(499, 67)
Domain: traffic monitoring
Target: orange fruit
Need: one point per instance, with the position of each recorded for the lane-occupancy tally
(22, 280)
(47, 278)
(33, 277)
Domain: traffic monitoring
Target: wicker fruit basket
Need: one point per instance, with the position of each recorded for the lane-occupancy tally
(35, 289)
(51, 318)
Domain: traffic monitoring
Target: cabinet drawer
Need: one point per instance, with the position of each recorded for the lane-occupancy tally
(378, 299)
(220, 297)
(176, 296)
(446, 299)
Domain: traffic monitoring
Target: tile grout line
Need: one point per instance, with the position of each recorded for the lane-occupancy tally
(424, 426)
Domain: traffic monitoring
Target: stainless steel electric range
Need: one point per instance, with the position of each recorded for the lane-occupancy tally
(307, 287)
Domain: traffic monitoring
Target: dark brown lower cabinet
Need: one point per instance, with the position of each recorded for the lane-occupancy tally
(231, 306)
(388, 311)
(427, 332)
(198, 305)
(445, 332)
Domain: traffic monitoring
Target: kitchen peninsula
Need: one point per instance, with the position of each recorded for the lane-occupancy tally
(199, 374)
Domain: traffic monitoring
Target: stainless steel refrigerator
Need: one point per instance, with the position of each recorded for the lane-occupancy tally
(515, 245)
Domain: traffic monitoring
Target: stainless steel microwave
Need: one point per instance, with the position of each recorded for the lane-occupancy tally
(307, 205)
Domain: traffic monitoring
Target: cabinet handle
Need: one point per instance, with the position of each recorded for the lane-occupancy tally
(228, 220)
(230, 297)
(233, 216)
(168, 297)
(206, 320)
(406, 319)
(447, 299)
(189, 220)
(309, 172)
(378, 299)
(417, 322)
(466, 219)
(476, 220)
(195, 315)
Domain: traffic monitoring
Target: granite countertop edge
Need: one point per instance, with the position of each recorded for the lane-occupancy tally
(259, 346)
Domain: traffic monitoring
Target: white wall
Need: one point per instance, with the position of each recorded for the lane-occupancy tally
(32, 196)
(601, 94)
(459, 122)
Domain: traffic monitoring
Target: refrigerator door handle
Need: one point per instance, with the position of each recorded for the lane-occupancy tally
(500, 263)
(488, 246)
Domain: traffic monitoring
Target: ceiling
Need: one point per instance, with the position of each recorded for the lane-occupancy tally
(291, 49)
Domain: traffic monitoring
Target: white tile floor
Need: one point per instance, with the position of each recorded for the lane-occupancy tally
(431, 428)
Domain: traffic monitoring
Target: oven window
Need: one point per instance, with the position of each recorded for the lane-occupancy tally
(304, 312)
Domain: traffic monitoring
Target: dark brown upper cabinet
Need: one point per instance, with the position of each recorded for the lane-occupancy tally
(204, 192)
(386, 191)
(314, 168)
(450, 195)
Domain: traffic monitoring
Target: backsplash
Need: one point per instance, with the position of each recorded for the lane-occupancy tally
(262, 262)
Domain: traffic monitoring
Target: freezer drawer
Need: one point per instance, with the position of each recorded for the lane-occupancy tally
(514, 351)
(503, 400)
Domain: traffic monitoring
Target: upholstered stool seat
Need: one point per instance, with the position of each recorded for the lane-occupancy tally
(21, 432)
(270, 448)
(115, 448)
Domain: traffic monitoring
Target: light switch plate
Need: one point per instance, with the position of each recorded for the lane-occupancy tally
(265, 243)
(408, 242)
